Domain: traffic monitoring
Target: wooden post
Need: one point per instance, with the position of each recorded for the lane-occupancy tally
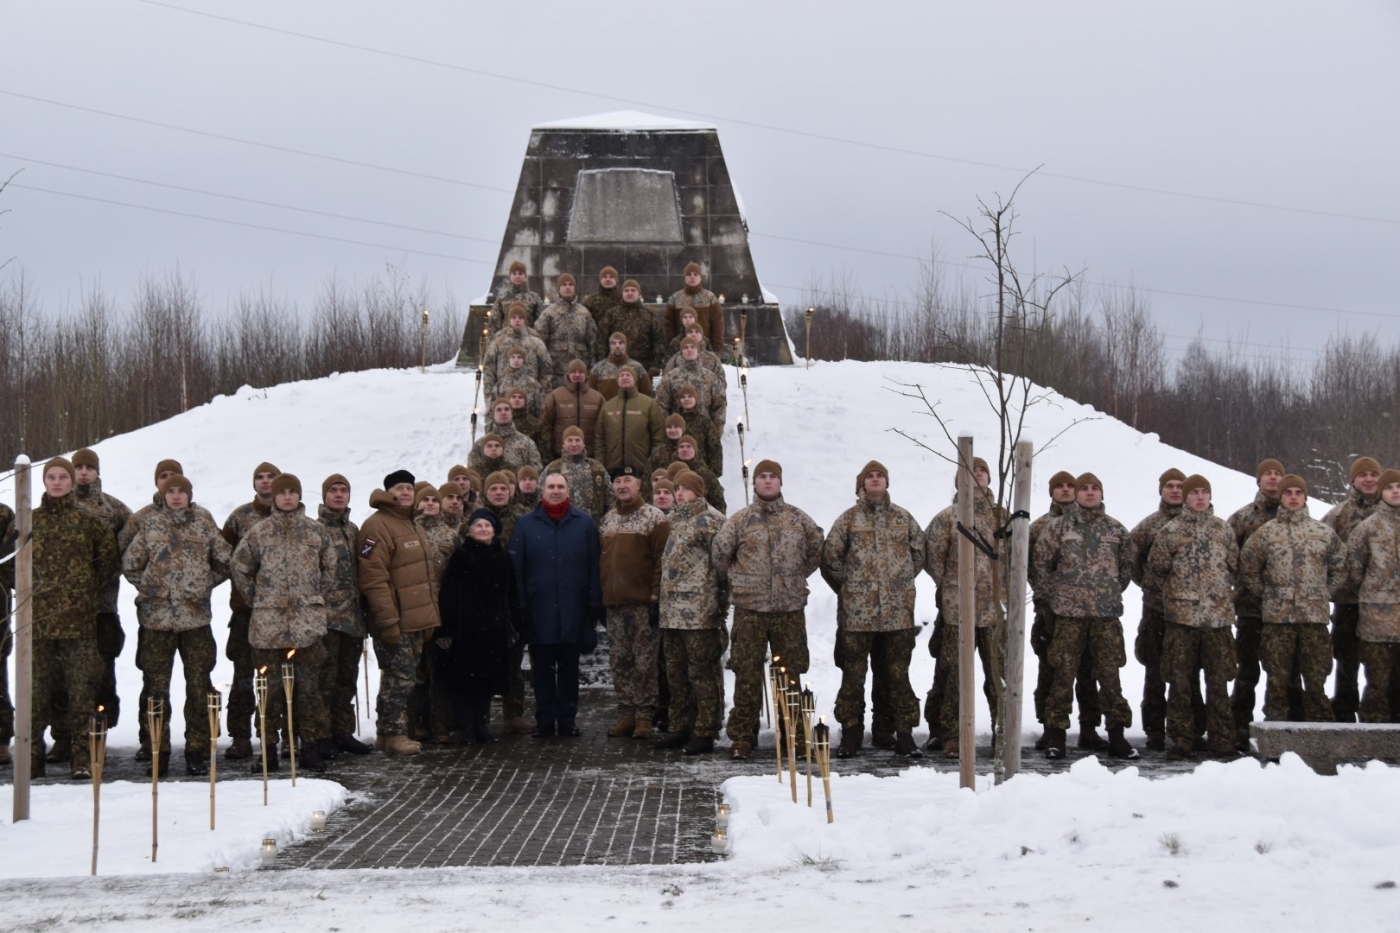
(23, 618)
(967, 615)
(1016, 606)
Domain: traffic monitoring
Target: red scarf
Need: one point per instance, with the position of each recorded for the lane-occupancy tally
(555, 512)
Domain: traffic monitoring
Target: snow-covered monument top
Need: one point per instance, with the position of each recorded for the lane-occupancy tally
(644, 194)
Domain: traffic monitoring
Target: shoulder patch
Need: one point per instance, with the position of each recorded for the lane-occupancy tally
(368, 547)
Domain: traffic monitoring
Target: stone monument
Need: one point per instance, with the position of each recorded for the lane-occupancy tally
(645, 195)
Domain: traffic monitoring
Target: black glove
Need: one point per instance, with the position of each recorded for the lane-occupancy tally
(935, 640)
(654, 614)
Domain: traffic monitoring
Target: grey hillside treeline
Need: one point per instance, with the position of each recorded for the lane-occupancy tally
(1104, 350)
(70, 380)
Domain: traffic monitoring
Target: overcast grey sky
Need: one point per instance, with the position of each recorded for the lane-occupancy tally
(1290, 107)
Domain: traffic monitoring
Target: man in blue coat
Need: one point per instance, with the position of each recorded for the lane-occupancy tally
(555, 550)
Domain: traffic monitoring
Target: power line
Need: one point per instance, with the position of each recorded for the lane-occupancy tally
(250, 142)
(1079, 179)
(240, 223)
(234, 197)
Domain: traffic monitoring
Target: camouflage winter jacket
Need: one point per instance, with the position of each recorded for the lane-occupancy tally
(1244, 523)
(520, 451)
(572, 406)
(714, 490)
(1145, 532)
(525, 381)
(343, 611)
(174, 562)
(74, 557)
(646, 340)
(1343, 519)
(602, 377)
(1196, 561)
(602, 301)
(497, 362)
(569, 333)
(134, 524)
(239, 523)
(941, 561)
(1294, 564)
(284, 567)
(1373, 573)
(628, 427)
(690, 588)
(396, 569)
(499, 315)
(710, 396)
(699, 426)
(1040, 599)
(633, 537)
(870, 560)
(441, 540)
(709, 314)
(113, 513)
(765, 553)
(1084, 559)
(589, 488)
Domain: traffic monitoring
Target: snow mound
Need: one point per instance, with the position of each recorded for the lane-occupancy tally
(624, 121)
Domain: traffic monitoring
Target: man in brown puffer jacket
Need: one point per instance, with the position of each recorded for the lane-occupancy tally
(574, 404)
(396, 579)
(1373, 567)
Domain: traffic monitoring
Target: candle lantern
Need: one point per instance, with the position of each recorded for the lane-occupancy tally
(318, 821)
(289, 680)
(719, 845)
(268, 853)
(722, 816)
(260, 691)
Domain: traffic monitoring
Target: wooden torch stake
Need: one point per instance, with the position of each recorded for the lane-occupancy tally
(809, 707)
(260, 690)
(155, 720)
(792, 704)
(214, 702)
(289, 680)
(97, 752)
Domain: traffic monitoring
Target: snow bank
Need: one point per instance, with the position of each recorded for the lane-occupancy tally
(623, 121)
(57, 839)
(822, 424)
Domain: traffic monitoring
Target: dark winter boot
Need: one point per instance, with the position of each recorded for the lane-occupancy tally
(741, 751)
(670, 740)
(850, 741)
(1181, 751)
(1090, 740)
(196, 764)
(624, 727)
(273, 762)
(240, 749)
(1156, 741)
(310, 759)
(885, 740)
(905, 746)
(144, 752)
(1043, 742)
(351, 745)
(1054, 742)
(1118, 746)
(62, 750)
(934, 743)
(327, 750)
(700, 745)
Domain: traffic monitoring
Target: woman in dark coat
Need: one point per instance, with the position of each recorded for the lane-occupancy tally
(481, 619)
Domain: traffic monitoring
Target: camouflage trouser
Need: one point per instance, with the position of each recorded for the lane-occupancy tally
(883, 721)
(513, 702)
(1148, 650)
(7, 708)
(308, 703)
(752, 634)
(1103, 638)
(155, 657)
(74, 666)
(888, 653)
(240, 701)
(1248, 632)
(110, 639)
(1346, 648)
(1286, 647)
(1382, 661)
(340, 680)
(1085, 693)
(697, 679)
(398, 669)
(1186, 653)
(633, 644)
(993, 668)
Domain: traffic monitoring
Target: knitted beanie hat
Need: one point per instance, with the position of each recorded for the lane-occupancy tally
(874, 466)
(63, 463)
(1265, 465)
(687, 439)
(527, 472)
(688, 390)
(691, 481)
(768, 466)
(286, 482)
(264, 467)
(176, 482)
(631, 283)
(498, 478)
(606, 270)
(692, 267)
(1193, 482)
(1064, 476)
(1168, 476)
(168, 466)
(450, 489)
(575, 366)
(491, 438)
(662, 483)
(1391, 475)
(517, 266)
(424, 491)
(87, 457)
(1086, 479)
(1363, 465)
(330, 481)
(564, 279)
(675, 421)
(1293, 481)
(574, 430)
(488, 515)
(517, 309)
(676, 468)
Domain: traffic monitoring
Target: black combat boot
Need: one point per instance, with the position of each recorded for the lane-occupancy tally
(1043, 742)
(670, 739)
(273, 762)
(934, 743)
(351, 745)
(327, 750)
(885, 740)
(700, 745)
(905, 746)
(62, 750)
(310, 759)
(1118, 746)
(196, 764)
(1156, 741)
(850, 741)
(1054, 742)
(1181, 751)
(1089, 738)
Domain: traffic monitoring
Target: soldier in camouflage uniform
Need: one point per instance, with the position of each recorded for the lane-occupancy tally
(870, 560)
(607, 297)
(567, 329)
(1294, 564)
(175, 561)
(164, 470)
(602, 377)
(453, 506)
(589, 488)
(1373, 571)
(73, 555)
(687, 452)
(764, 555)
(518, 378)
(527, 489)
(1151, 630)
(1086, 694)
(709, 313)
(513, 291)
(517, 450)
(1084, 561)
(693, 611)
(664, 453)
(633, 536)
(495, 366)
(1346, 613)
(663, 496)
(646, 339)
(709, 391)
(941, 562)
(708, 358)
(241, 702)
(284, 567)
(344, 643)
(527, 422)
(7, 583)
(112, 512)
(699, 426)
(1195, 561)
(433, 697)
